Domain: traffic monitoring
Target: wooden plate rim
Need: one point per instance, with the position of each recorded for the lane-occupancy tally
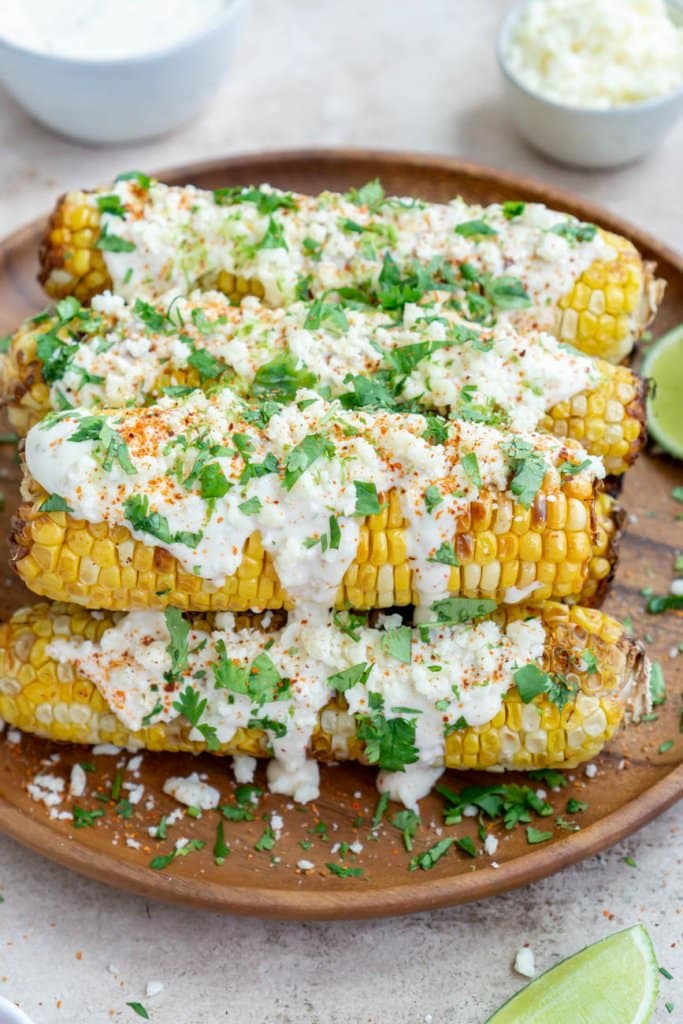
(430, 893)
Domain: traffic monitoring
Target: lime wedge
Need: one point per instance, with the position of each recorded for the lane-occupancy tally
(664, 365)
(614, 981)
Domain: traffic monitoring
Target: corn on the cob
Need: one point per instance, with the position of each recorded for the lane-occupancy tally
(541, 268)
(365, 508)
(121, 355)
(60, 663)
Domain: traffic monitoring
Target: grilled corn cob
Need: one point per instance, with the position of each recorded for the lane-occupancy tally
(117, 355)
(559, 681)
(190, 504)
(541, 268)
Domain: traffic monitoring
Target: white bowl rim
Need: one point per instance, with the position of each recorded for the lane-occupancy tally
(625, 110)
(229, 9)
(14, 1013)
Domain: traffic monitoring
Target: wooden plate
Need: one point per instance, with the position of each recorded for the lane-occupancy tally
(635, 781)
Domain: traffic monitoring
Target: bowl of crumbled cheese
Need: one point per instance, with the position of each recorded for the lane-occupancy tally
(593, 83)
(111, 71)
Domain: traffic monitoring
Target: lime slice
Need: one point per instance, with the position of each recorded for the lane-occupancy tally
(664, 364)
(614, 981)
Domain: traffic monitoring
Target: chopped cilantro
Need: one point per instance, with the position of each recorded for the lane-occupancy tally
(506, 292)
(342, 872)
(367, 500)
(221, 850)
(470, 465)
(55, 503)
(474, 229)
(575, 232)
(433, 498)
(371, 195)
(534, 835)
(86, 819)
(575, 806)
(213, 482)
(251, 506)
(178, 631)
(266, 202)
(380, 811)
(437, 431)
(532, 681)
(664, 603)
(657, 684)
(590, 662)
(466, 844)
(109, 242)
(528, 468)
(124, 809)
(398, 643)
(139, 1009)
(572, 468)
(445, 555)
(453, 610)
(342, 681)
(240, 813)
(407, 822)
(325, 312)
(260, 680)
(389, 742)
(266, 841)
(111, 446)
(549, 777)
(136, 511)
(151, 317)
(513, 208)
(426, 861)
(273, 237)
(143, 181)
(311, 448)
(163, 861)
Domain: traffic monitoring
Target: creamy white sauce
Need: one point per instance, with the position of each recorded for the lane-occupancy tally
(466, 669)
(597, 53)
(183, 238)
(375, 449)
(105, 29)
(521, 376)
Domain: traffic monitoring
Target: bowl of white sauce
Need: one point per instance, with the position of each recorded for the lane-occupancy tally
(109, 71)
(593, 83)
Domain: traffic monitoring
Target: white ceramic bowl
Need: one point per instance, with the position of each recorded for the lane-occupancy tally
(11, 1014)
(124, 99)
(584, 136)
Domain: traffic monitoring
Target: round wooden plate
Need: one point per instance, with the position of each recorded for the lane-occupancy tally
(638, 777)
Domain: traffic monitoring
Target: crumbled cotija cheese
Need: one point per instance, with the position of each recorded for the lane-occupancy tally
(597, 53)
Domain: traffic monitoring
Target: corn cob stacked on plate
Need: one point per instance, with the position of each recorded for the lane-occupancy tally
(323, 478)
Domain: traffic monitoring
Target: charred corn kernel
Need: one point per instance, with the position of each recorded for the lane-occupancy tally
(37, 696)
(604, 311)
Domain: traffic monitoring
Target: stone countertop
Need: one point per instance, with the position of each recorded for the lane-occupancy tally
(318, 73)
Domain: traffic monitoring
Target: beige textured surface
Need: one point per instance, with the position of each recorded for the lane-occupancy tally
(385, 74)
